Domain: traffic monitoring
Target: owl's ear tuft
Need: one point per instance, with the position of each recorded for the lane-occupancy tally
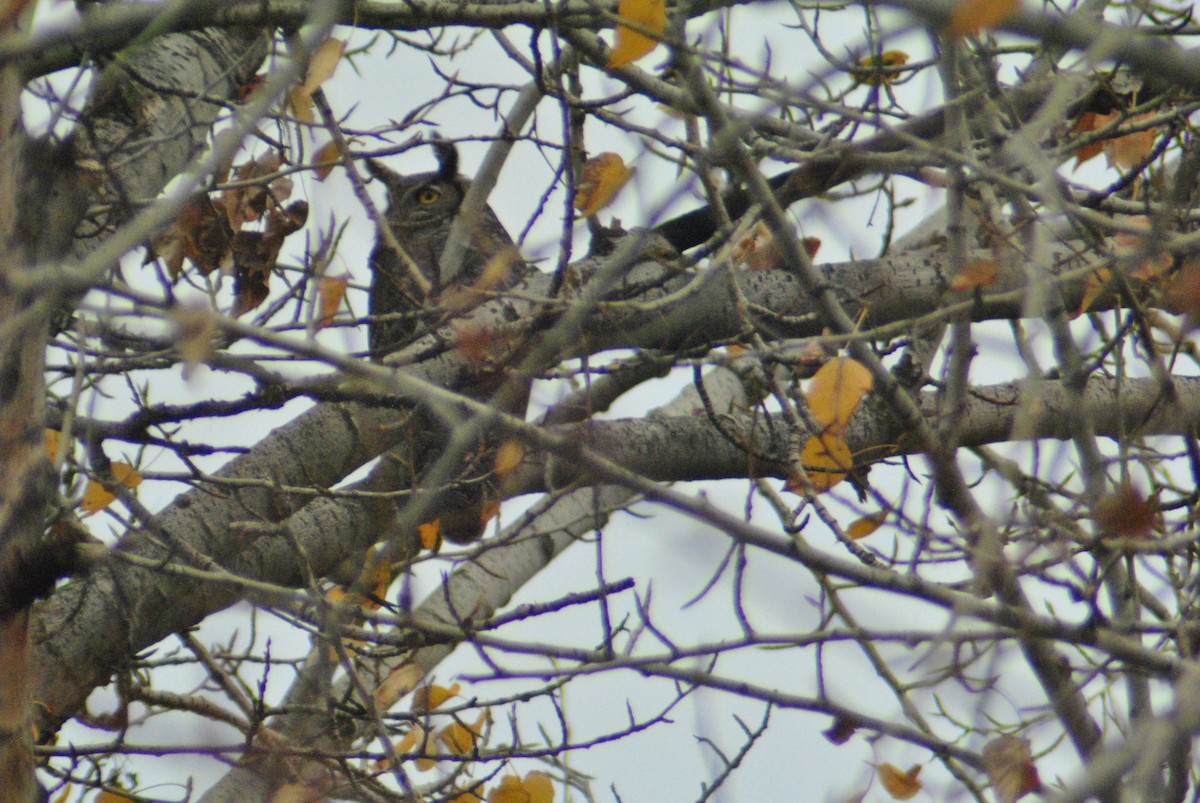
(382, 172)
(447, 156)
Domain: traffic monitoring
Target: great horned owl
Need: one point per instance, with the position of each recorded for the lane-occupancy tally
(420, 211)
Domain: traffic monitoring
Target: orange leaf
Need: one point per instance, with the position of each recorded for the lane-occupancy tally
(331, 291)
(631, 45)
(326, 158)
(429, 533)
(509, 457)
(427, 698)
(603, 176)
(1009, 764)
(1155, 263)
(826, 459)
(1183, 294)
(868, 72)
(461, 739)
(759, 251)
(489, 510)
(535, 788)
(109, 796)
(1088, 122)
(972, 16)
(51, 440)
(863, 527)
(835, 391)
(979, 273)
(96, 496)
(899, 784)
(1131, 149)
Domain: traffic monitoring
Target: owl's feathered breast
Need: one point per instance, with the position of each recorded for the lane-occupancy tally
(421, 210)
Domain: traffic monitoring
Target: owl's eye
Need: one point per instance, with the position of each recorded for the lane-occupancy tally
(427, 195)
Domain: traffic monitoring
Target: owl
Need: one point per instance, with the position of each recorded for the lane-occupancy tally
(420, 211)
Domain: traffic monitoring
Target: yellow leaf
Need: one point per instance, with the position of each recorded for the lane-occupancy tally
(96, 497)
(540, 787)
(835, 391)
(429, 533)
(863, 527)
(899, 784)
(51, 440)
(510, 790)
(1008, 762)
(827, 459)
(109, 796)
(419, 741)
(325, 59)
(461, 739)
(326, 158)
(195, 328)
(301, 102)
(399, 682)
(537, 787)
(427, 698)
(498, 269)
(868, 72)
(972, 16)
(331, 291)
(1097, 284)
(603, 176)
(509, 457)
(296, 793)
(980, 273)
(65, 793)
(631, 45)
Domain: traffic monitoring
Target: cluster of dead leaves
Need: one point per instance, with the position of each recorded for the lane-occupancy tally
(211, 235)
(1007, 760)
(834, 393)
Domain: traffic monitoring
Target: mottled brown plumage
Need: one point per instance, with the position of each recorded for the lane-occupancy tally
(421, 209)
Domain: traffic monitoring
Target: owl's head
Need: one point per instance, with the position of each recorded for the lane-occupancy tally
(425, 198)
